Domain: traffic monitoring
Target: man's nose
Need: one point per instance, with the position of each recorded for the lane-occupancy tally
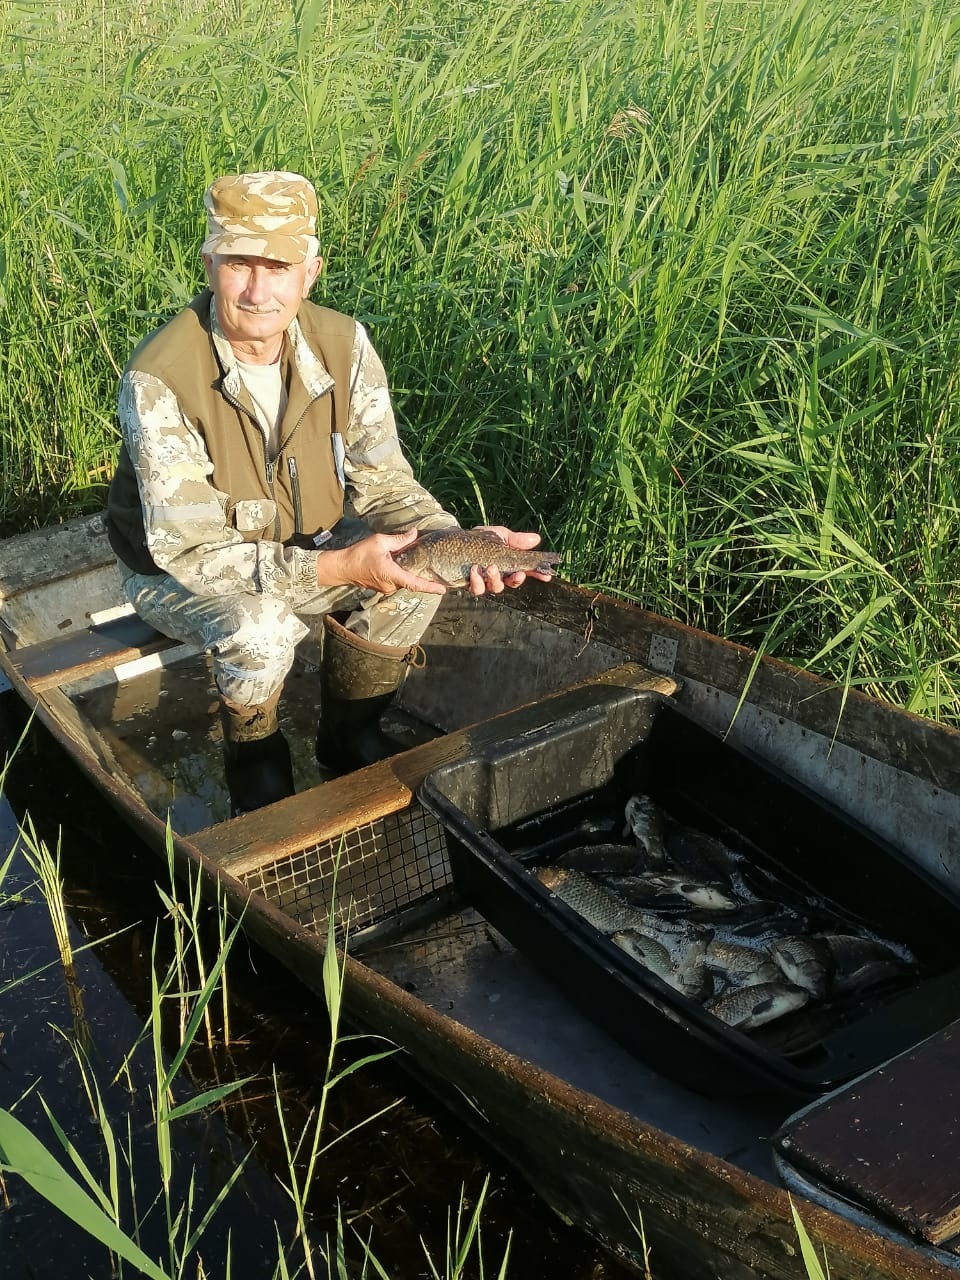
(257, 289)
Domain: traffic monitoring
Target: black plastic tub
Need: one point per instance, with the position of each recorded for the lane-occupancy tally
(525, 801)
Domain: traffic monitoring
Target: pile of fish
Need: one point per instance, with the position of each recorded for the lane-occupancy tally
(715, 926)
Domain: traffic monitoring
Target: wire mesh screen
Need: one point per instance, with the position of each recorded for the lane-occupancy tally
(381, 869)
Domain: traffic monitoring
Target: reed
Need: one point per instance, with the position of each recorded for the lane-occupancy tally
(305, 1154)
(103, 1207)
(9, 900)
(814, 1267)
(100, 1206)
(677, 284)
(46, 865)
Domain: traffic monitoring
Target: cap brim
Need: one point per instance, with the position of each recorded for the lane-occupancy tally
(276, 247)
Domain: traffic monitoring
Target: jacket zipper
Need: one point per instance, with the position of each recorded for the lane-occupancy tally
(269, 467)
(292, 468)
(295, 487)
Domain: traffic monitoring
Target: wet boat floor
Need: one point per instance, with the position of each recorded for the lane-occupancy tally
(158, 716)
(163, 731)
(464, 968)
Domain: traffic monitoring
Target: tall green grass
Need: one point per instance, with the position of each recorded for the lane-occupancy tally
(677, 283)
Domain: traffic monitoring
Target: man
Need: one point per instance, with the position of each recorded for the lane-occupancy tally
(251, 423)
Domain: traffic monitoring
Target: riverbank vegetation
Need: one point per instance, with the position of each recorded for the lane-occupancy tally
(676, 283)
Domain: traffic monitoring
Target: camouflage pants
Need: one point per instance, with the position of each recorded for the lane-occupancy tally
(252, 638)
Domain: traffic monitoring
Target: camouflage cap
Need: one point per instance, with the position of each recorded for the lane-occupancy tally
(262, 215)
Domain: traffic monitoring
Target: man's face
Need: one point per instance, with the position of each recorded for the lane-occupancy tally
(257, 298)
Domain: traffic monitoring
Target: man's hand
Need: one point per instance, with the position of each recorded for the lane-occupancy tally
(369, 563)
(485, 578)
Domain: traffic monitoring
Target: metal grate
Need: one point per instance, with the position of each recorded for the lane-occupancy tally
(381, 869)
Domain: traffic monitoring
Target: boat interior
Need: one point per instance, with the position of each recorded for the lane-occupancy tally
(540, 713)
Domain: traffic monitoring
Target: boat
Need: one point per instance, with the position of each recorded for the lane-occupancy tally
(523, 700)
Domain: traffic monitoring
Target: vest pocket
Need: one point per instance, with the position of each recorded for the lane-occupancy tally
(252, 514)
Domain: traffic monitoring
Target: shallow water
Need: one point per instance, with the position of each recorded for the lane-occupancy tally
(395, 1179)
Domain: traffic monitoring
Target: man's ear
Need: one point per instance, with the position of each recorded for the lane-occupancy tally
(208, 266)
(312, 271)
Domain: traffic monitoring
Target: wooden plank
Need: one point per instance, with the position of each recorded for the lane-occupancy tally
(845, 1140)
(322, 813)
(100, 647)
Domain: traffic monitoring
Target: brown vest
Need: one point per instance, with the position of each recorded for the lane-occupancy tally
(301, 480)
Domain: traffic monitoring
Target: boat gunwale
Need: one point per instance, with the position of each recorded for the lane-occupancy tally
(835, 711)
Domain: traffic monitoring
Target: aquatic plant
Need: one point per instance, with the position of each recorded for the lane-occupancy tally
(121, 1208)
(815, 1269)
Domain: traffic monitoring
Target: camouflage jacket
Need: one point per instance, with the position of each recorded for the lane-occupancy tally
(195, 494)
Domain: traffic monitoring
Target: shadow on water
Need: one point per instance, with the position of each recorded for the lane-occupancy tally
(395, 1180)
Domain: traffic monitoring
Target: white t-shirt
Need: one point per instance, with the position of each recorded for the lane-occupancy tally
(269, 396)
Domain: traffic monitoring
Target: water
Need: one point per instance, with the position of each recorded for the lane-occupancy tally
(395, 1179)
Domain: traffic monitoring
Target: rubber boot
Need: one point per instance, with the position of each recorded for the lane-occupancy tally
(256, 757)
(358, 681)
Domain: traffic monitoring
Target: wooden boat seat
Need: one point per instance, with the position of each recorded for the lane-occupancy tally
(891, 1139)
(99, 647)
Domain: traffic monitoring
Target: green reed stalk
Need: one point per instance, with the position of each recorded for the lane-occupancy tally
(815, 1269)
(46, 866)
(304, 1154)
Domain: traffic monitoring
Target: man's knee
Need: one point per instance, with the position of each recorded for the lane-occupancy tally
(253, 649)
(399, 619)
(253, 620)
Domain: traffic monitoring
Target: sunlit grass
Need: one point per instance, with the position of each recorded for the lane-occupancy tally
(676, 283)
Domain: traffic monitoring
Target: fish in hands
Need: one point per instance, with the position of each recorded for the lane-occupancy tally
(448, 556)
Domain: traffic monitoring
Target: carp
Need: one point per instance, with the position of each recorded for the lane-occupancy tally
(609, 913)
(447, 556)
(805, 962)
(685, 974)
(749, 1007)
(644, 821)
(604, 859)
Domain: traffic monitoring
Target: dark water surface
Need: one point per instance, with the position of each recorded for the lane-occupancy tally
(396, 1180)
